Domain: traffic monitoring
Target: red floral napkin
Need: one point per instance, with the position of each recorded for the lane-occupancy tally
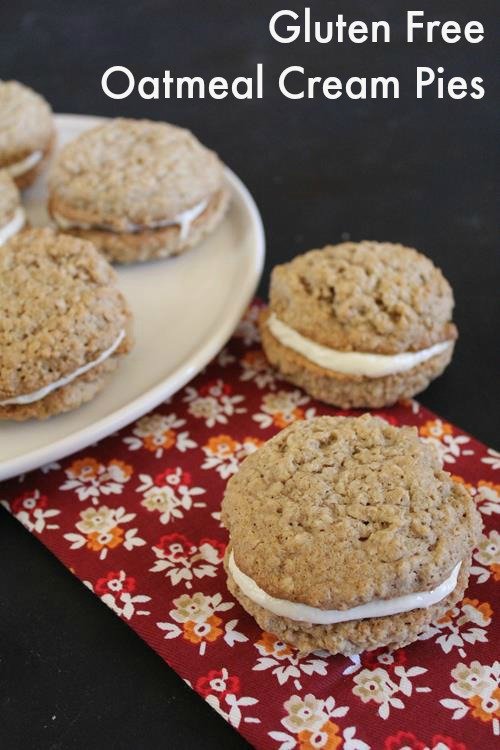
(136, 518)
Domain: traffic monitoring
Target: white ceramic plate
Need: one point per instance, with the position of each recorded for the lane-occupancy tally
(185, 310)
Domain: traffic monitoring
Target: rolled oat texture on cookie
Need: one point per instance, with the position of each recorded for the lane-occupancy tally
(345, 534)
(27, 132)
(64, 324)
(138, 189)
(359, 324)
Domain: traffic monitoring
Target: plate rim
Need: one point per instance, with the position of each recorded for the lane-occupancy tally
(185, 372)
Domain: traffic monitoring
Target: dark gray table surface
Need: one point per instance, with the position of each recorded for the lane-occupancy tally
(422, 172)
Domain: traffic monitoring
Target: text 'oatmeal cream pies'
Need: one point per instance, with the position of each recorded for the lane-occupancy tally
(138, 189)
(359, 324)
(12, 215)
(345, 534)
(27, 132)
(64, 325)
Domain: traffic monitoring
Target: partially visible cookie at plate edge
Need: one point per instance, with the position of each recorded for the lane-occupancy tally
(27, 132)
(64, 324)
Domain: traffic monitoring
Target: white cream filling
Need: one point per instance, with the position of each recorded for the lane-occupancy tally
(184, 220)
(30, 398)
(23, 166)
(13, 226)
(351, 363)
(316, 616)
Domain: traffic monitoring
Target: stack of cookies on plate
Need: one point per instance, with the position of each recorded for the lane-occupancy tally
(124, 191)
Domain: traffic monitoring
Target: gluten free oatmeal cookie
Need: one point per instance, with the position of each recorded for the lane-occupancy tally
(346, 534)
(359, 324)
(26, 132)
(138, 189)
(64, 325)
(12, 215)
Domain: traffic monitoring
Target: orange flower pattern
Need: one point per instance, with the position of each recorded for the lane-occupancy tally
(486, 709)
(159, 434)
(101, 529)
(285, 662)
(449, 444)
(436, 428)
(281, 408)
(224, 454)
(201, 624)
(196, 632)
(270, 644)
(90, 478)
(466, 623)
(326, 738)
(477, 689)
(97, 541)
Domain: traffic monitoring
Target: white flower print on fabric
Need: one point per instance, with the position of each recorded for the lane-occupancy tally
(31, 509)
(199, 623)
(305, 713)
(311, 724)
(488, 555)
(256, 368)
(165, 587)
(222, 691)
(213, 402)
(450, 447)
(435, 429)
(411, 404)
(90, 478)
(486, 495)
(224, 453)
(282, 408)
(384, 689)
(117, 591)
(216, 515)
(225, 358)
(465, 623)
(285, 662)
(377, 658)
(478, 686)
(52, 466)
(183, 561)
(45, 469)
(488, 498)
(492, 459)
(247, 328)
(170, 493)
(102, 530)
(158, 434)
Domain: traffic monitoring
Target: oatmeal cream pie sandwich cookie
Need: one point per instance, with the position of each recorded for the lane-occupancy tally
(345, 534)
(27, 132)
(64, 325)
(12, 215)
(359, 324)
(138, 189)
